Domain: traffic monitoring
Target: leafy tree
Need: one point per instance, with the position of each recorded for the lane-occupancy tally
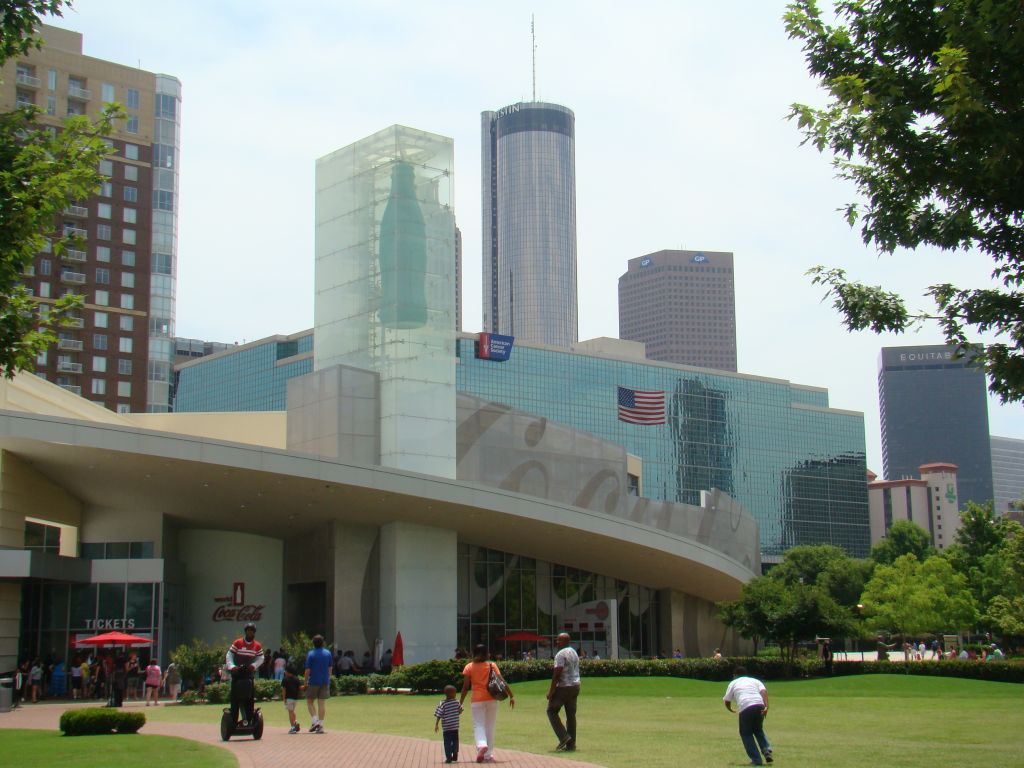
(983, 551)
(41, 173)
(910, 597)
(1006, 615)
(295, 648)
(197, 659)
(828, 567)
(981, 530)
(903, 538)
(924, 117)
(784, 613)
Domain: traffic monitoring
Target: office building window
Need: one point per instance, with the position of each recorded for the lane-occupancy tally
(131, 173)
(131, 194)
(163, 200)
(107, 92)
(124, 344)
(129, 215)
(44, 290)
(51, 105)
(102, 253)
(102, 298)
(45, 266)
(107, 167)
(131, 151)
(124, 367)
(128, 237)
(127, 279)
(99, 319)
(127, 323)
(124, 389)
(51, 80)
(131, 125)
(131, 98)
(103, 231)
(102, 275)
(128, 258)
(124, 408)
(127, 301)
(99, 341)
(99, 386)
(161, 264)
(106, 189)
(99, 364)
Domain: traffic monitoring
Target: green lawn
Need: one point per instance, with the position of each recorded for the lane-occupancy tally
(891, 720)
(48, 748)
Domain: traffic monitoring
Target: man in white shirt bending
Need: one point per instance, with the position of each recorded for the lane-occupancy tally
(751, 699)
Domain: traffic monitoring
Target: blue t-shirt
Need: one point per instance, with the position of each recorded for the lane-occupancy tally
(319, 662)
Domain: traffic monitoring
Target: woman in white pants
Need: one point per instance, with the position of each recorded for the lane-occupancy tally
(484, 706)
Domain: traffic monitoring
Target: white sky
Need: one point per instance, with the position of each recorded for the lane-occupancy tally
(681, 142)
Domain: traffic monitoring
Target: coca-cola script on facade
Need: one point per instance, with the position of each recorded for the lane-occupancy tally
(238, 612)
(234, 608)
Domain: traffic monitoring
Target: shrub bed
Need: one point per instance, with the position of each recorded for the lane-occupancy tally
(433, 676)
(100, 720)
(265, 690)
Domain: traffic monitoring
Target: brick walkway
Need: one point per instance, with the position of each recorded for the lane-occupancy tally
(277, 749)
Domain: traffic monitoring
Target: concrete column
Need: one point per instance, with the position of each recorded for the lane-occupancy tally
(692, 624)
(418, 590)
(354, 586)
(10, 623)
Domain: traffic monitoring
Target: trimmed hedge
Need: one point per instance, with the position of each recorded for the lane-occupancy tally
(433, 676)
(95, 721)
(349, 685)
(265, 690)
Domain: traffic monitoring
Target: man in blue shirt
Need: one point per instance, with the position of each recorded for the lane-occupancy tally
(317, 681)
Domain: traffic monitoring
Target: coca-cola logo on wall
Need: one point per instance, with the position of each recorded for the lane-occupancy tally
(234, 608)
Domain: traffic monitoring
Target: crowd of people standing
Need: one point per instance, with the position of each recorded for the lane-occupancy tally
(112, 676)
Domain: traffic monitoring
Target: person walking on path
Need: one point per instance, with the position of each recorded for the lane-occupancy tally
(153, 676)
(751, 699)
(484, 706)
(290, 688)
(317, 680)
(446, 714)
(172, 679)
(564, 691)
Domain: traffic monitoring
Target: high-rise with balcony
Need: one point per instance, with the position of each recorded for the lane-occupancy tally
(528, 175)
(123, 261)
(682, 306)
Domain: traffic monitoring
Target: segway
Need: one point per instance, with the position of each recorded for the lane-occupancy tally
(243, 690)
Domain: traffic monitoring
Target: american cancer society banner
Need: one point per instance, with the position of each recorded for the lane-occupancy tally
(493, 346)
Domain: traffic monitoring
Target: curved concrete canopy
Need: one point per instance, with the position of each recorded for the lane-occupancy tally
(206, 483)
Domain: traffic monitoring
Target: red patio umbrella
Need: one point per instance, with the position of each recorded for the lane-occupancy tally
(113, 639)
(397, 654)
(524, 636)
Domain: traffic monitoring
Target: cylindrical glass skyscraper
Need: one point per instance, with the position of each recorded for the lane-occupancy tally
(529, 222)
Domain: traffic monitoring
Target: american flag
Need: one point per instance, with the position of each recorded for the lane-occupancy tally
(639, 407)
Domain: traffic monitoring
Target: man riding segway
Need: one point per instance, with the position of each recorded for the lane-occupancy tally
(243, 658)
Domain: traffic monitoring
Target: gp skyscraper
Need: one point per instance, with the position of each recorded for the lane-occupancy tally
(528, 179)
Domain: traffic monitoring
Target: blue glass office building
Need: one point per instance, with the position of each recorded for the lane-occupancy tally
(797, 465)
(250, 377)
(934, 408)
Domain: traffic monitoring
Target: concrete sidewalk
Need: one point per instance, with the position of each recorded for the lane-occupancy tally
(278, 749)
